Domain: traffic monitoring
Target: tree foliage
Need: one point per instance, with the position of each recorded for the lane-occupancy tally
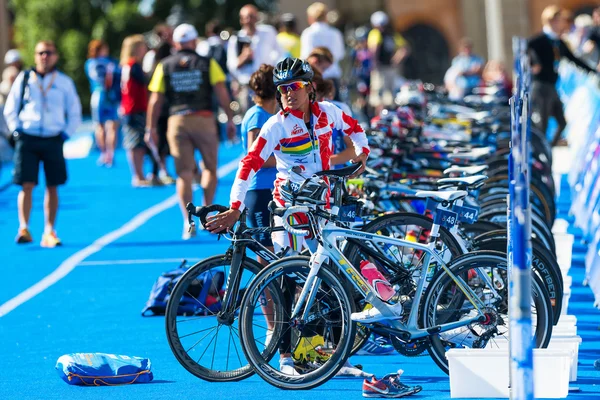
(71, 24)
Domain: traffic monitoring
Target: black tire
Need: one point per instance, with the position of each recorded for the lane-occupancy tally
(541, 263)
(462, 265)
(174, 325)
(336, 290)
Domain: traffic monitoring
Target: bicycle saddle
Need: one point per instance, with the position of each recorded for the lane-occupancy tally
(467, 181)
(440, 196)
(474, 154)
(340, 173)
(473, 170)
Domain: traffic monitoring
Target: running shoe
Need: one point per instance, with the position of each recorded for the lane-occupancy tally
(50, 240)
(23, 236)
(388, 387)
(188, 232)
(376, 346)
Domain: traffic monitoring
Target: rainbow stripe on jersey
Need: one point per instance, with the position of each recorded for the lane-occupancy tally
(299, 146)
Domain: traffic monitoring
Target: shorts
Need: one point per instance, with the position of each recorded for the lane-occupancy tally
(383, 83)
(134, 126)
(103, 110)
(257, 202)
(189, 132)
(30, 151)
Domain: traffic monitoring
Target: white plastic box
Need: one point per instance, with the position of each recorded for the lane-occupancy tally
(567, 320)
(483, 373)
(561, 340)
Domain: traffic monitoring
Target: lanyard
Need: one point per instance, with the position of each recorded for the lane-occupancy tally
(40, 83)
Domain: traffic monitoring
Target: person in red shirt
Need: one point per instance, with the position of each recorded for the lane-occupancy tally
(134, 101)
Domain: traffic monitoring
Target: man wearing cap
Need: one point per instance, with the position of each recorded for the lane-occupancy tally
(187, 81)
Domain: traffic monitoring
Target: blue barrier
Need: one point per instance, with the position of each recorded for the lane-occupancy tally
(581, 94)
(519, 231)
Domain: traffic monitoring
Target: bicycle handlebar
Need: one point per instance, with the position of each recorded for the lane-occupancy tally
(284, 213)
(202, 212)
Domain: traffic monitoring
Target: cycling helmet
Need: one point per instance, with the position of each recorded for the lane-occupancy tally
(292, 69)
(313, 191)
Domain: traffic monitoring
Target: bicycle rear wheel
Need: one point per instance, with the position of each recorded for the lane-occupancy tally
(443, 291)
(203, 343)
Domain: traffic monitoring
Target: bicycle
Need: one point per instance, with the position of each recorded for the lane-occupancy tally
(323, 299)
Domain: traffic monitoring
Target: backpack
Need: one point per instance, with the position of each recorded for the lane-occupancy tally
(100, 369)
(201, 297)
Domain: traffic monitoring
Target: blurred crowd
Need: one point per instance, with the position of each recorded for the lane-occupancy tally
(164, 98)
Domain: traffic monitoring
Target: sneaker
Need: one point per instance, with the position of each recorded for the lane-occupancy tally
(165, 179)
(388, 387)
(286, 365)
(50, 240)
(376, 346)
(372, 314)
(23, 236)
(188, 233)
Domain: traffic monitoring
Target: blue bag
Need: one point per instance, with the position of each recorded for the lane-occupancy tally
(99, 369)
(201, 296)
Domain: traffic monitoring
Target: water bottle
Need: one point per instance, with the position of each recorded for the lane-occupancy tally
(430, 271)
(382, 287)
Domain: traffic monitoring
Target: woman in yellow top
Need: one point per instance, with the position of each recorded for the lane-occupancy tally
(288, 38)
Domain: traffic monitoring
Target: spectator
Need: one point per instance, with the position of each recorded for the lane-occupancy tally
(162, 46)
(465, 72)
(321, 34)
(42, 119)
(252, 46)
(288, 37)
(594, 38)
(388, 49)
(362, 64)
(134, 101)
(320, 58)
(104, 76)
(186, 81)
(12, 58)
(546, 50)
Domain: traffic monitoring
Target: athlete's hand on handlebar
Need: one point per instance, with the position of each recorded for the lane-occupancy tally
(222, 222)
(360, 159)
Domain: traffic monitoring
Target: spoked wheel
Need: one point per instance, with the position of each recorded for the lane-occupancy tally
(206, 341)
(319, 339)
(486, 273)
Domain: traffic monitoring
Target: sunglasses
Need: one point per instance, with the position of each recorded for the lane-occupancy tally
(45, 52)
(283, 89)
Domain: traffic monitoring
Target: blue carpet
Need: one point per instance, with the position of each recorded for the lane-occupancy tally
(96, 307)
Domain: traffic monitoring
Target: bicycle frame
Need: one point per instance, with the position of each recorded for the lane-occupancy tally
(328, 250)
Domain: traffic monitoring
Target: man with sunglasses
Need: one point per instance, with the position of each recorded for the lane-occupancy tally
(43, 110)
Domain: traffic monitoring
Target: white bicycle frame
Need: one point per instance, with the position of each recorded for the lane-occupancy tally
(328, 249)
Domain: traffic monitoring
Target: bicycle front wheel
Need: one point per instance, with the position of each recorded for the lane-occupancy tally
(203, 342)
(319, 339)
